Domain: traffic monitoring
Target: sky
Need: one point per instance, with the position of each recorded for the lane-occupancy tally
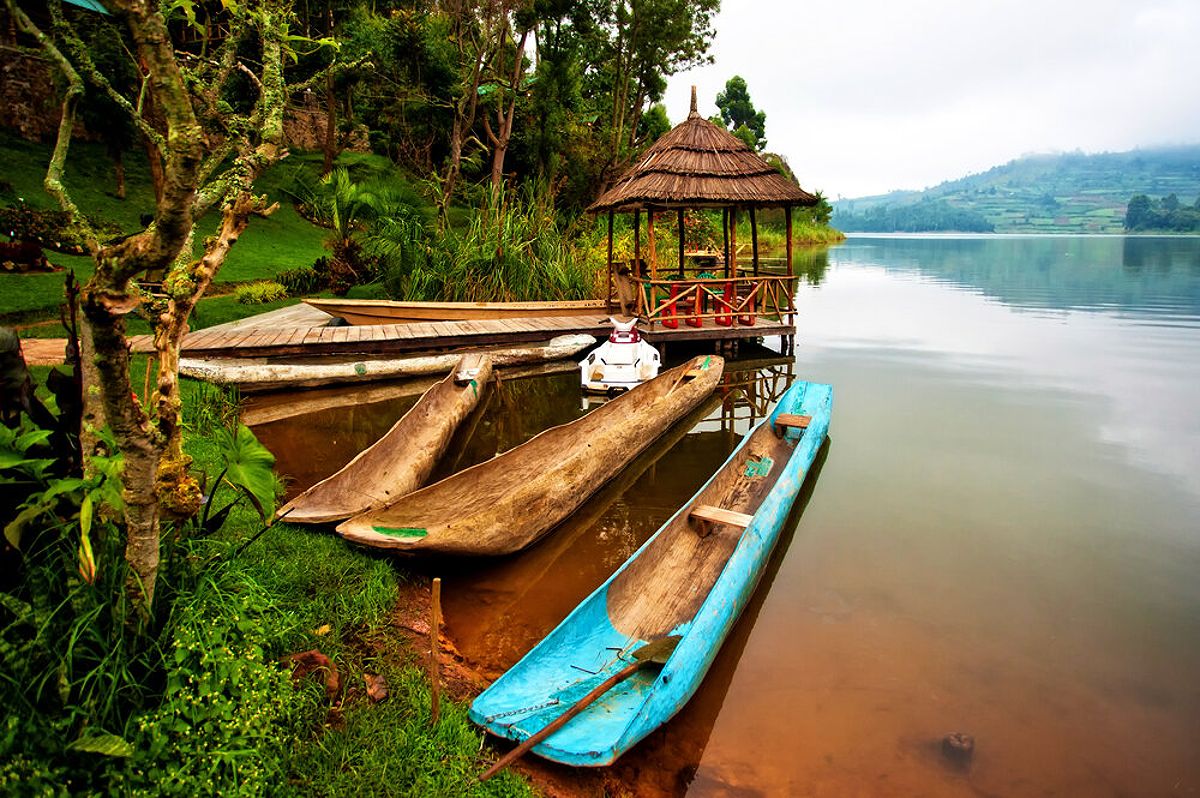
(869, 96)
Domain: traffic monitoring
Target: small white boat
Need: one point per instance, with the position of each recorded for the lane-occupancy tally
(622, 362)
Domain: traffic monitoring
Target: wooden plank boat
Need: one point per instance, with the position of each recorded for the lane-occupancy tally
(505, 504)
(400, 461)
(384, 311)
(691, 579)
(252, 375)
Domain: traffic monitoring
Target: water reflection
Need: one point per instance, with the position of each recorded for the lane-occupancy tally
(1004, 541)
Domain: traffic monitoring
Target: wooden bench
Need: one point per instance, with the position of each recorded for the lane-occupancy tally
(707, 516)
(786, 421)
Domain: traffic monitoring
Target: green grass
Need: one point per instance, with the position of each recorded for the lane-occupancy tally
(284, 240)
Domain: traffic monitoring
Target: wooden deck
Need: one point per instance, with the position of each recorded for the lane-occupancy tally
(300, 331)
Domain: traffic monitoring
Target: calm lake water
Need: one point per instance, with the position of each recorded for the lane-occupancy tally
(1001, 538)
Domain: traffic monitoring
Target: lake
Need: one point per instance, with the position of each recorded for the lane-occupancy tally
(1001, 537)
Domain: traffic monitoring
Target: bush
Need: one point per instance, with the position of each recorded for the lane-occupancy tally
(52, 229)
(301, 282)
(260, 293)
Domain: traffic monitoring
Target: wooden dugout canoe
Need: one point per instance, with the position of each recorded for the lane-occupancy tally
(691, 578)
(385, 311)
(399, 462)
(254, 375)
(505, 504)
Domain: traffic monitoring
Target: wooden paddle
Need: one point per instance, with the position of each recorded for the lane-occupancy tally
(656, 652)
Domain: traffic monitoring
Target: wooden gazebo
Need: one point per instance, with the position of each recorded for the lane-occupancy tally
(698, 165)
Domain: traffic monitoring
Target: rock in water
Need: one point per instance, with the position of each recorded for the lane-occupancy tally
(958, 748)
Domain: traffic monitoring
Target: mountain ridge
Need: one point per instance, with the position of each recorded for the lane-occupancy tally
(1044, 192)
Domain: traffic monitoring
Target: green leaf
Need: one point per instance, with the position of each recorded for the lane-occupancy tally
(249, 468)
(103, 744)
(85, 517)
(33, 438)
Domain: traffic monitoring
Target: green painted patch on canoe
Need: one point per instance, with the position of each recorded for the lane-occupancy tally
(401, 532)
(759, 468)
(360, 369)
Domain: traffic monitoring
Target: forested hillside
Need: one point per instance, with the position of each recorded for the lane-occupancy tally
(1069, 193)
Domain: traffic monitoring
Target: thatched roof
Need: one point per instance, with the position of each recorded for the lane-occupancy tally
(698, 164)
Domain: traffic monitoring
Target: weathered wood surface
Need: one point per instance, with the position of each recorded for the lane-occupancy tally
(399, 462)
(251, 374)
(385, 311)
(508, 502)
(393, 339)
(677, 583)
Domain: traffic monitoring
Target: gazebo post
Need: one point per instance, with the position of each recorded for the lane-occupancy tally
(733, 240)
(653, 297)
(754, 238)
(609, 292)
(681, 274)
(637, 242)
(725, 240)
(791, 286)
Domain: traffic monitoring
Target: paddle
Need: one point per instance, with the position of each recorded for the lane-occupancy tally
(656, 652)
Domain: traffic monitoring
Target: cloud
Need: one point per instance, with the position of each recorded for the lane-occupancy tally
(865, 96)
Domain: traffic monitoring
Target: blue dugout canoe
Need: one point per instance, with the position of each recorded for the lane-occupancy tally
(691, 578)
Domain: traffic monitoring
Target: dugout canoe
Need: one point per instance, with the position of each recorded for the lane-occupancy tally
(398, 463)
(691, 579)
(506, 503)
(256, 375)
(385, 311)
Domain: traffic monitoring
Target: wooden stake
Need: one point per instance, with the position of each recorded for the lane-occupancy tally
(637, 243)
(725, 238)
(435, 632)
(650, 241)
(791, 317)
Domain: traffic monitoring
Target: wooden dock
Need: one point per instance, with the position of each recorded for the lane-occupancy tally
(303, 331)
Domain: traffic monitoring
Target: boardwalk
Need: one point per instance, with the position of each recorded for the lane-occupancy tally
(302, 331)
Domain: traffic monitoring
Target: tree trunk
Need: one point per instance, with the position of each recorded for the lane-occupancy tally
(330, 127)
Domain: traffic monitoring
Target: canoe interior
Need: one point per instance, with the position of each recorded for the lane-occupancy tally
(382, 311)
(403, 458)
(504, 504)
(679, 582)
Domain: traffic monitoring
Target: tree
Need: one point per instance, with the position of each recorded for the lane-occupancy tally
(739, 114)
(1138, 213)
(212, 155)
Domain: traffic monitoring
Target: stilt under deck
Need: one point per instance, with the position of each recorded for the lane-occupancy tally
(302, 331)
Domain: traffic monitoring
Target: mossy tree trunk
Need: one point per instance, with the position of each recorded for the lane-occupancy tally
(156, 479)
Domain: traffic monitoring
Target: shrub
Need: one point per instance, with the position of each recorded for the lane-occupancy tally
(301, 282)
(260, 292)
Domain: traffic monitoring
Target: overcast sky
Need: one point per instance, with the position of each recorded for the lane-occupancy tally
(867, 96)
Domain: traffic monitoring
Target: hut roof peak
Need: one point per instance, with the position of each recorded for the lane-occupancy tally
(698, 164)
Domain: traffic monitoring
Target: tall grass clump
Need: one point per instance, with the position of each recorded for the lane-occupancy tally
(514, 247)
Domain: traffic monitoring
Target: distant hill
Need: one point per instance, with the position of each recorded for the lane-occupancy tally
(1068, 193)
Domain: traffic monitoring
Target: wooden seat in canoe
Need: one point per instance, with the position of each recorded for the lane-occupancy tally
(786, 421)
(708, 517)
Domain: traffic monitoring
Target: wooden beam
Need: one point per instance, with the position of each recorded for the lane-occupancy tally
(708, 516)
(785, 421)
(788, 216)
(725, 239)
(637, 243)
(733, 241)
(754, 238)
(608, 294)
(650, 242)
(680, 219)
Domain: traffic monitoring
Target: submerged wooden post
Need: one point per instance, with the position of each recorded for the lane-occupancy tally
(681, 273)
(609, 293)
(435, 631)
(754, 238)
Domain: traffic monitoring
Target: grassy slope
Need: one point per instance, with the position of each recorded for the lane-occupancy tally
(270, 245)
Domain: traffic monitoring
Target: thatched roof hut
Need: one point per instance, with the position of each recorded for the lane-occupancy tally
(696, 165)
